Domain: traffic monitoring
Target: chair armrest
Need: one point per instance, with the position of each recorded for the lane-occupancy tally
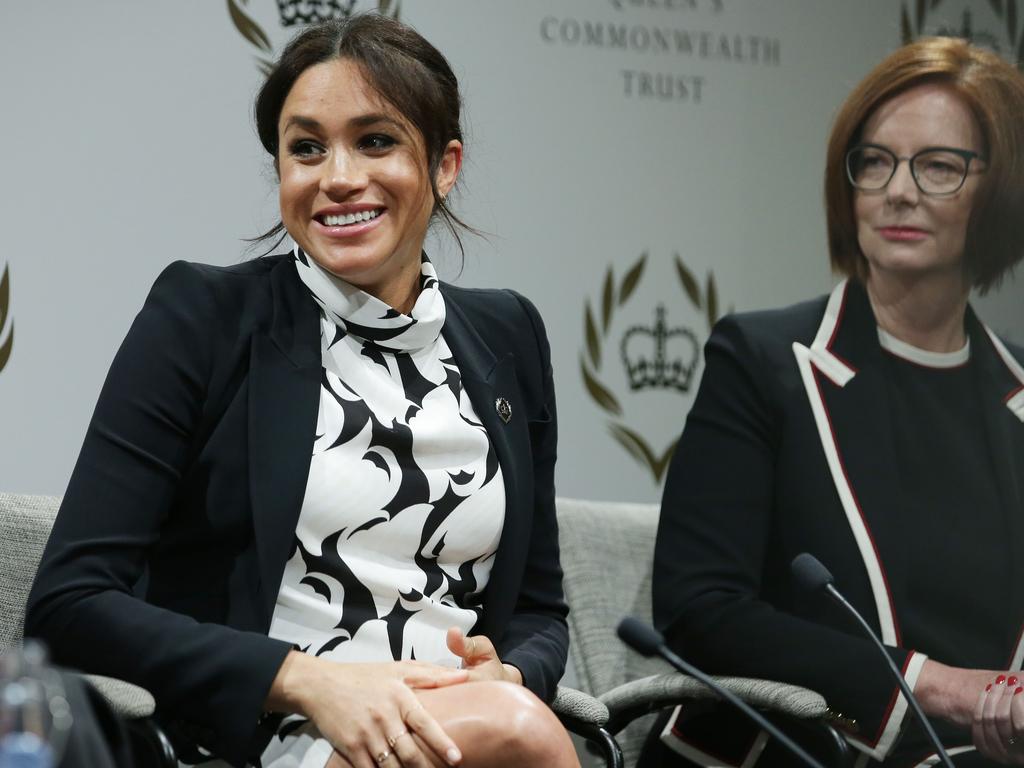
(136, 705)
(576, 705)
(780, 698)
(127, 700)
(638, 697)
(582, 714)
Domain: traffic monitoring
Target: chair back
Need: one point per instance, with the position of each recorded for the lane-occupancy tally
(25, 523)
(607, 551)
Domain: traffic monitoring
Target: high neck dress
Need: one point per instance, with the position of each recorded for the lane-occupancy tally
(404, 504)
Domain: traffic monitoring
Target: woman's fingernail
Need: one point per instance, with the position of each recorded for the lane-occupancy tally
(1001, 679)
(1018, 691)
(454, 755)
(988, 687)
(1011, 680)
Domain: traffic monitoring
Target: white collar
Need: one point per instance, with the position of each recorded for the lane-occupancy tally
(371, 319)
(922, 356)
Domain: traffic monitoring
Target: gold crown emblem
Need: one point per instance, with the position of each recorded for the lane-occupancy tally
(653, 357)
(312, 11)
(294, 13)
(1008, 42)
(663, 358)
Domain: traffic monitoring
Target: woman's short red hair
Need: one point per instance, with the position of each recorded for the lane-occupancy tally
(994, 91)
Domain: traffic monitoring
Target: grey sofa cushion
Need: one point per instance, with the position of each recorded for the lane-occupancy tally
(25, 523)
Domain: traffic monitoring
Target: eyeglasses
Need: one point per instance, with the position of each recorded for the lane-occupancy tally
(937, 171)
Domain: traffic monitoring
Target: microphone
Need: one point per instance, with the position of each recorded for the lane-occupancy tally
(642, 638)
(813, 576)
(810, 573)
(647, 641)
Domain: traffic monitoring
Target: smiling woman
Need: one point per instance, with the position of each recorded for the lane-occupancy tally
(320, 544)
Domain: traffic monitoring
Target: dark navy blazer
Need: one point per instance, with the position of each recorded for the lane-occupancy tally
(789, 448)
(168, 552)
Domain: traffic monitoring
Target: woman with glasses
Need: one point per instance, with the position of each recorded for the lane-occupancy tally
(879, 428)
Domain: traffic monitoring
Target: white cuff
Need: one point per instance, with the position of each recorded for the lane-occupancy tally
(893, 721)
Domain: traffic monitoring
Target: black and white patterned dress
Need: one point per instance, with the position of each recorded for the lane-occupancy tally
(404, 505)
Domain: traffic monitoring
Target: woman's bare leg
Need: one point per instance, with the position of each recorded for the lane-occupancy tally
(500, 724)
(496, 725)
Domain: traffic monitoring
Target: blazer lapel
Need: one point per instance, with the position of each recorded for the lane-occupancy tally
(863, 426)
(486, 379)
(843, 374)
(284, 395)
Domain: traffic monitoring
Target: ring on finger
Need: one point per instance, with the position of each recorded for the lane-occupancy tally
(383, 756)
(1012, 740)
(396, 737)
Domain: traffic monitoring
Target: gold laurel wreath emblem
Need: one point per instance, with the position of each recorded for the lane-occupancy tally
(5, 306)
(254, 33)
(1004, 10)
(614, 295)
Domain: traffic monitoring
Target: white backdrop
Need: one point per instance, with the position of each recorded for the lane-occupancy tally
(598, 131)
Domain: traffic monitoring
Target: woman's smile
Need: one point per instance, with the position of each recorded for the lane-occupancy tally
(346, 221)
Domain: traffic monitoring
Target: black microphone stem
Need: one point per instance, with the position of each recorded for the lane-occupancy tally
(737, 702)
(911, 699)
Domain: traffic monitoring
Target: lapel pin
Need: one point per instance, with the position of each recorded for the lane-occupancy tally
(504, 409)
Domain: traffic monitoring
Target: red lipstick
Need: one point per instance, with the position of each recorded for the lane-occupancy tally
(903, 234)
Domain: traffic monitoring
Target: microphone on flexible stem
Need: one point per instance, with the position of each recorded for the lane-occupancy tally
(647, 641)
(814, 576)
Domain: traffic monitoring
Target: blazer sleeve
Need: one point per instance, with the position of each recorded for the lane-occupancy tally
(536, 640)
(137, 449)
(719, 516)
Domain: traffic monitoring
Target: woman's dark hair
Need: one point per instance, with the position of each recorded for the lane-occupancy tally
(994, 91)
(399, 65)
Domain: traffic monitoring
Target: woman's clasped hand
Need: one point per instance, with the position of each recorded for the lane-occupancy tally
(371, 714)
(998, 725)
(367, 711)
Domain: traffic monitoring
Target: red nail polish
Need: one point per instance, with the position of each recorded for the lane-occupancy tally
(988, 687)
(1001, 679)
(1018, 691)
(1011, 680)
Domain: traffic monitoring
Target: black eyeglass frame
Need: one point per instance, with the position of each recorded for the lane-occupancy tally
(966, 155)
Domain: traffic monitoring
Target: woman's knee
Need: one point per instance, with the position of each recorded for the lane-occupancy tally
(498, 724)
(528, 729)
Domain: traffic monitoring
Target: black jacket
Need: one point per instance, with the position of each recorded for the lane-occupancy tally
(167, 555)
(789, 449)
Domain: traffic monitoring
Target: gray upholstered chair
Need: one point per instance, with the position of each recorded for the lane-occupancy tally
(25, 523)
(607, 554)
